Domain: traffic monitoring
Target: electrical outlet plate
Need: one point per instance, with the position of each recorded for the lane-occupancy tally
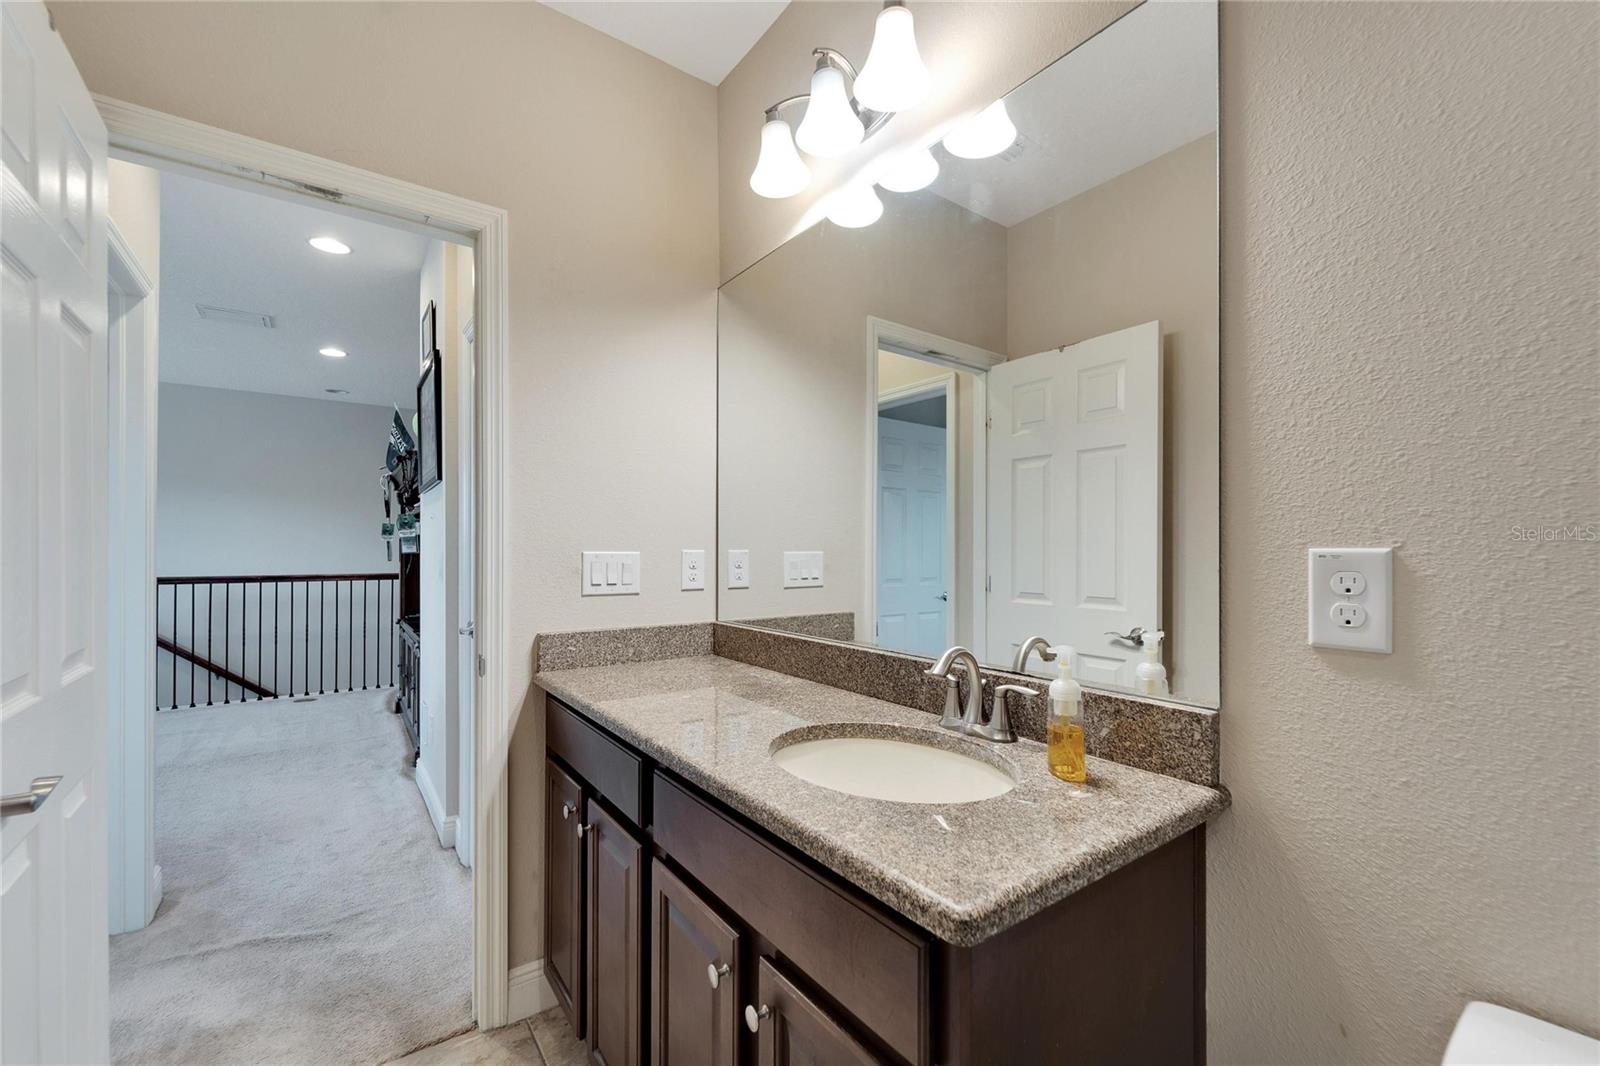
(802, 570)
(694, 569)
(1351, 598)
(738, 568)
(610, 574)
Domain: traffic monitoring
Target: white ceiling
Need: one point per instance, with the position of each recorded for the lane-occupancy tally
(226, 247)
(706, 38)
(1146, 85)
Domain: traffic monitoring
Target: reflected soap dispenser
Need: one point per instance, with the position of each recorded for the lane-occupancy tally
(1064, 728)
(1150, 677)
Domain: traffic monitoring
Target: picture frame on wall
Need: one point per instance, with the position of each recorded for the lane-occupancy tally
(430, 457)
(429, 334)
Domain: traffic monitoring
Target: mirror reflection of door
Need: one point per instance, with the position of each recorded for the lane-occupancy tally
(915, 562)
(1075, 500)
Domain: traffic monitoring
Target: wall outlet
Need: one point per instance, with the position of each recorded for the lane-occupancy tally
(1351, 598)
(802, 570)
(738, 568)
(694, 568)
(610, 574)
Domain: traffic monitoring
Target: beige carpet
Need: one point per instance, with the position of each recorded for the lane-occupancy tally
(309, 915)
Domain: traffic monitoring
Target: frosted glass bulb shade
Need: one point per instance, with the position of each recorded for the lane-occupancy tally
(779, 169)
(830, 126)
(987, 133)
(854, 206)
(894, 78)
(910, 171)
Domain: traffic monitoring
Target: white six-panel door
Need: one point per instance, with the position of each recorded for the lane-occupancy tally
(53, 524)
(913, 601)
(1075, 499)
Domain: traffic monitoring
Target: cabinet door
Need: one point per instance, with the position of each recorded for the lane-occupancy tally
(793, 1030)
(563, 891)
(615, 908)
(694, 1005)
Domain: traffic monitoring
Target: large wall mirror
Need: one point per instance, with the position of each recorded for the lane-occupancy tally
(993, 412)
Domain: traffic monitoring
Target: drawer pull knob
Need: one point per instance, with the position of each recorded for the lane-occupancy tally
(715, 973)
(582, 829)
(567, 811)
(752, 1017)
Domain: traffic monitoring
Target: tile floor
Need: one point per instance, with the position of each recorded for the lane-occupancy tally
(543, 1040)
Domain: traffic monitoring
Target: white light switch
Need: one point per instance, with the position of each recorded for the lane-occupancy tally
(1352, 600)
(610, 574)
(802, 570)
(738, 568)
(694, 568)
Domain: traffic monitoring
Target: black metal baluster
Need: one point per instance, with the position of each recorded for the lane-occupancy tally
(322, 620)
(291, 638)
(275, 598)
(363, 637)
(244, 635)
(261, 671)
(308, 638)
(175, 642)
(336, 635)
(227, 637)
(193, 642)
(210, 627)
(350, 649)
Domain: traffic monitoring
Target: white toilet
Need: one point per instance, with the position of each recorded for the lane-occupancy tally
(1487, 1035)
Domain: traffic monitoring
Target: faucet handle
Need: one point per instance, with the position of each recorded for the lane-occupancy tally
(998, 728)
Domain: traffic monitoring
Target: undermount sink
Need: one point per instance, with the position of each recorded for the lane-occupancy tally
(893, 763)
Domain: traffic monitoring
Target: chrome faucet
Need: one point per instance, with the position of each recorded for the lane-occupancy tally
(952, 719)
(1020, 663)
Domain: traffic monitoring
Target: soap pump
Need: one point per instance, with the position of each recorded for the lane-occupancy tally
(1064, 729)
(1150, 676)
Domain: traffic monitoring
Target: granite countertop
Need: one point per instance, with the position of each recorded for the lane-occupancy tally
(963, 871)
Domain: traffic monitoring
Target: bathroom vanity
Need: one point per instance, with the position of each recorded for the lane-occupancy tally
(704, 905)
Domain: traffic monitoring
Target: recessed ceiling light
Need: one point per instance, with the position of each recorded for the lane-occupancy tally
(333, 353)
(331, 245)
(337, 392)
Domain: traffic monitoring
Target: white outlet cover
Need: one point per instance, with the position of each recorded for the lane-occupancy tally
(738, 568)
(694, 569)
(1368, 574)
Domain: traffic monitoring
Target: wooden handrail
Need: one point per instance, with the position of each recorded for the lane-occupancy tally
(255, 579)
(220, 671)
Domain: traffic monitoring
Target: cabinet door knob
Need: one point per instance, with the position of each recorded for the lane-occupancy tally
(752, 1017)
(582, 829)
(715, 973)
(567, 810)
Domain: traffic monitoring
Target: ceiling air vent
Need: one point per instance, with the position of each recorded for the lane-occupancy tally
(238, 318)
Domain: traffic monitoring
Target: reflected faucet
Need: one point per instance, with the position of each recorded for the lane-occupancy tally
(1019, 665)
(952, 718)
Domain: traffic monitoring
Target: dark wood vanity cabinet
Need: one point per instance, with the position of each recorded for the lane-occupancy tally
(682, 934)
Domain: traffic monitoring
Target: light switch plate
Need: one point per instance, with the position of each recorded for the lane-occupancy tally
(694, 569)
(609, 574)
(802, 570)
(1351, 598)
(738, 568)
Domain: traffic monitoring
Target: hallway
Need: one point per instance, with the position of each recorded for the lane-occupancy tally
(309, 913)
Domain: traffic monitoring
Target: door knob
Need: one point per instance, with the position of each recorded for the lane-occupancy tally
(752, 1017)
(715, 973)
(945, 596)
(31, 800)
(1134, 636)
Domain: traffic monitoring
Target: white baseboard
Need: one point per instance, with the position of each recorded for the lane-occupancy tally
(529, 991)
(443, 825)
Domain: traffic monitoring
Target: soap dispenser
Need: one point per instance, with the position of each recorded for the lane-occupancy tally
(1064, 728)
(1150, 678)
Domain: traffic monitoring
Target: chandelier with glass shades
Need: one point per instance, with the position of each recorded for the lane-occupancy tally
(844, 108)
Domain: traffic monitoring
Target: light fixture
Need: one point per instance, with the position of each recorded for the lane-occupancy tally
(779, 171)
(855, 205)
(831, 126)
(987, 133)
(331, 245)
(893, 78)
(909, 171)
(333, 353)
(337, 392)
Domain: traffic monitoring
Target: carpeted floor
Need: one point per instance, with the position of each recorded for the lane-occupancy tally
(309, 915)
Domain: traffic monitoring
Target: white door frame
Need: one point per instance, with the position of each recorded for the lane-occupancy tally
(930, 347)
(945, 383)
(131, 338)
(151, 137)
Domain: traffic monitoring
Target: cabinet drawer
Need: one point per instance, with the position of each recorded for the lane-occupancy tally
(865, 959)
(610, 769)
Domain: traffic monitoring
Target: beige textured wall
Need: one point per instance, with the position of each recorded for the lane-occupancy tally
(613, 259)
(795, 378)
(1143, 246)
(979, 50)
(1409, 204)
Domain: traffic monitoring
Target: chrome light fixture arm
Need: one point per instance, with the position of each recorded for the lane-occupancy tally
(872, 121)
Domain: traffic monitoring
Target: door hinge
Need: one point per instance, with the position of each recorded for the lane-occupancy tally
(988, 583)
(483, 666)
(988, 421)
